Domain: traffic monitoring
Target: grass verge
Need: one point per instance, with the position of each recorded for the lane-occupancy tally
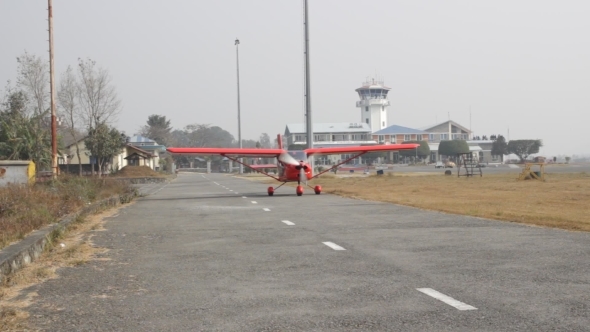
(24, 209)
(70, 249)
(560, 202)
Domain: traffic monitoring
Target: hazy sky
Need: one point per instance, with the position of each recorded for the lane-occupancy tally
(523, 65)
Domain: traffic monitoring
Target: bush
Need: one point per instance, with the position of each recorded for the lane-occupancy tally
(27, 208)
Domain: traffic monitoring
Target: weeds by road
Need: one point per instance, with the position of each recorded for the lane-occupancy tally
(72, 248)
(27, 208)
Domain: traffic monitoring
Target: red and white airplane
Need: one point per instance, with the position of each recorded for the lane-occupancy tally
(293, 166)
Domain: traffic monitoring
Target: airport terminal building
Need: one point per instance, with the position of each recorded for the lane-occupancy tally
(373, 129)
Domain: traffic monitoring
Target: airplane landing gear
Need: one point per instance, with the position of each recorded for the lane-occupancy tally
(299, 190)
(270, 191)
(317, 190)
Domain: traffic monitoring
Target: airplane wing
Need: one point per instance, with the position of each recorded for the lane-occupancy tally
(360, 149)
(233, 152)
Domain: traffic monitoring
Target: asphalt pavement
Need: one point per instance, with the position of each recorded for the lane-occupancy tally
(212, 252)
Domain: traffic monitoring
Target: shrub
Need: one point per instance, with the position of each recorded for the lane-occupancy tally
(27, 208)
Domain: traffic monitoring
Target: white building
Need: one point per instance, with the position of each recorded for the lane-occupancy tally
(329, 135)
(373, 104)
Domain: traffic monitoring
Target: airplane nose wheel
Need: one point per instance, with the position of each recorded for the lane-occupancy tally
(299, 190)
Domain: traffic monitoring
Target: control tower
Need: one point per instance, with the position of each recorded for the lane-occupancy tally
(373, 95)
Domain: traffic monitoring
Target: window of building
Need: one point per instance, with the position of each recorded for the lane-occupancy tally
(340, 138)
(367, 120)
(431, 137)
(407, 137)
(444, 137)
(383, 123)
(366, 108)
(364, 137)
(299, 138)
(392, 139)
(419, 137)
(381, 138)
(321, 138)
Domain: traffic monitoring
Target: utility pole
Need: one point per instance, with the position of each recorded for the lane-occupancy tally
(52, 92)
(308, 89)
(239, 120)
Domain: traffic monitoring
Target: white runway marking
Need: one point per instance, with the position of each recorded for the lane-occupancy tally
(333, 246)
(266, 209)
(287, 222)
(446, 299)
(244, 197)
(254, 202)
(230, 190)
(216, 183)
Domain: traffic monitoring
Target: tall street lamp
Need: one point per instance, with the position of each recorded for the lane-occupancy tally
(237, 43)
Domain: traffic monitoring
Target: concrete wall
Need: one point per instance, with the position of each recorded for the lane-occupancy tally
(17, 172)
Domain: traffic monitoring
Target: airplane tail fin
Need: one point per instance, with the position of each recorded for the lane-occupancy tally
(280, 141)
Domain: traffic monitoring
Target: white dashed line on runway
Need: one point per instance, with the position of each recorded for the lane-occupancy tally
(287, 222)
(216, 183)
(254, 202)
(446, 299)
(333, 245)
(230, 190)
(266, 209)
(244, 197)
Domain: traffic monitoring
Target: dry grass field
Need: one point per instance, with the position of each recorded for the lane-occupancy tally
(563, 201)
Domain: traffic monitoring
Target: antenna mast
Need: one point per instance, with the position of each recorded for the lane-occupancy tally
(52, 92)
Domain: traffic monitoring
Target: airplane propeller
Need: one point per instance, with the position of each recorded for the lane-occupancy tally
(286, 158)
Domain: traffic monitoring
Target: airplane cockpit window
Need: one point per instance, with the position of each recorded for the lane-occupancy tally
(299, 155)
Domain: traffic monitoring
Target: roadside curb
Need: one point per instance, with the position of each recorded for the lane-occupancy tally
(17, 255)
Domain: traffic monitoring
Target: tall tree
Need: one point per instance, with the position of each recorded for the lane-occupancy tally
(524, 147)
(423, 150)
(104, 143)
(265, 141)
(500, 147)
(23, 135)
(202, 135)
(158, 128)
(67, 98)
(452, 148)
(33, 81)
(99, 103)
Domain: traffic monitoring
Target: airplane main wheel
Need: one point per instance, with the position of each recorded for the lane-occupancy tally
(299, 190)
(317, 190)
(270, 191)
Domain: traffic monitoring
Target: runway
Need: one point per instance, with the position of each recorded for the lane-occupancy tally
(211, 252)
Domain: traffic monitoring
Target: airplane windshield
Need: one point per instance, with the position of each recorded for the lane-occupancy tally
(299, 155)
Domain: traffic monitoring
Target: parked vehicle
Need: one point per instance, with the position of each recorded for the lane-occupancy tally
(439, 164)
(449, 164)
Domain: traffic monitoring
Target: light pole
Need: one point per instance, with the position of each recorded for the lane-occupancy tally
(237, 43)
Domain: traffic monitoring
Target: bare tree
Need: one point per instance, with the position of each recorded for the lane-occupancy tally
(99, 103)
(32, 79)
(67, 97)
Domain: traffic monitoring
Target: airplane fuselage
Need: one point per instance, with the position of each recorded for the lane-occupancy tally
(292, 173)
